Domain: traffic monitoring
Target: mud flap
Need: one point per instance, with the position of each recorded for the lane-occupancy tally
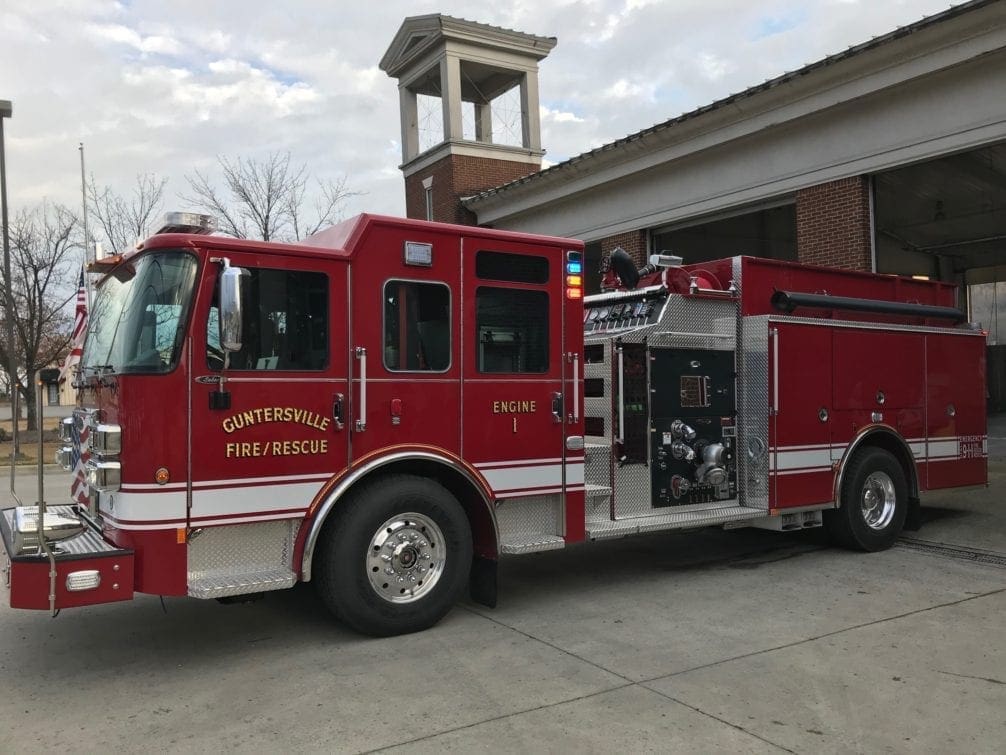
(482, 581)
(913, 518)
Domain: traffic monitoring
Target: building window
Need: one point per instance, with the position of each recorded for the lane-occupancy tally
(417, 326)
(511, 326)
(284, 323)
(52, 391)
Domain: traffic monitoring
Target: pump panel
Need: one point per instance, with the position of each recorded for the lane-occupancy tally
(693, 427)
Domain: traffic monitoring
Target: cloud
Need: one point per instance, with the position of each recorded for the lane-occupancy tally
(123, 35)
(165, 88)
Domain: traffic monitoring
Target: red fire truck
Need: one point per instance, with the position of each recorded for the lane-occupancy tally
(389, 407)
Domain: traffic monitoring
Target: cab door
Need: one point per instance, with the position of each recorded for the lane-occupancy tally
(514, 365)
(404, 343)
(269, 426)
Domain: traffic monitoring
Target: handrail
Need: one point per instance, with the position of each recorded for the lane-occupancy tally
(361, 423)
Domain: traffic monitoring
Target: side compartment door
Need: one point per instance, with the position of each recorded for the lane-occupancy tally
(512, 393)
(956, 432)
(802, 420)
(269, 428)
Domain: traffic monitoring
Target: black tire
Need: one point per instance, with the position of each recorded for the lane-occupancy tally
(396, 595)
(873, 502)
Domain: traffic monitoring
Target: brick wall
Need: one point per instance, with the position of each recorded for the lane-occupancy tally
(634, 242)
(457, 176)
(833, 224)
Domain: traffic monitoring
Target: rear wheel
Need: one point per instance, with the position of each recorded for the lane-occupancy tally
(395, 558)
(873, 503)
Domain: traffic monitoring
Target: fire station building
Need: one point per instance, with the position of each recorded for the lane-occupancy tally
(888, 157)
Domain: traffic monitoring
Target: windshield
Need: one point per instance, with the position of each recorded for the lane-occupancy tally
(136, 322)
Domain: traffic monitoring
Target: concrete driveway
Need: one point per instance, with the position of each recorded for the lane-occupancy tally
(702, 642)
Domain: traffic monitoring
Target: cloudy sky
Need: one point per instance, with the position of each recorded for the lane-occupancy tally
(166, 87)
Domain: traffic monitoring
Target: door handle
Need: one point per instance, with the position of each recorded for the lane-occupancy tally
(557, 407)
(337, 416)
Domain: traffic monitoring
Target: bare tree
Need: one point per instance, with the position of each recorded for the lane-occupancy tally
(43, 254)
(124, 220)
(268, 199)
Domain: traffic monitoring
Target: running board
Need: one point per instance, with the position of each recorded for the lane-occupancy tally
(517, 544)
(242, 584)
(672, 521)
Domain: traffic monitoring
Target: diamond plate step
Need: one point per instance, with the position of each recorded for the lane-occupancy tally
(242, 584)
(532, 543)
(596, 530)
(597, 464)
(597, 490)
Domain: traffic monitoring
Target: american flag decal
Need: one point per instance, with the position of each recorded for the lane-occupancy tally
(81, 453)
(79, 330)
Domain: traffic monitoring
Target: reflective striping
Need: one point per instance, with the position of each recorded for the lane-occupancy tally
(942, 448)
(152, 487)
(241, 500)
(531, 476)
(801, 459)
(522, 478)
(809, 470)
(516, 463)
(151, 510)
(809, 459)
(235, 482)
(167, 508)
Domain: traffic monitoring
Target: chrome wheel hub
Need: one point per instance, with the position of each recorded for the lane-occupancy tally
(406, 558)
(878, 500)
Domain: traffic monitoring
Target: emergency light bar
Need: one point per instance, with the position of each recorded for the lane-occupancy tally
(187, 222)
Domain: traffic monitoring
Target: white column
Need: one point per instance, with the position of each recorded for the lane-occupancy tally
(410, 123)
(483, 122)
(530, 118)
(450, 95)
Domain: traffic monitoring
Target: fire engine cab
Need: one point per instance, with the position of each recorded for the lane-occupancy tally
(390, 406)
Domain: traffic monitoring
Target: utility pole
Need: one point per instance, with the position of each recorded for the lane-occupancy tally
(6, 111)
(83, 199)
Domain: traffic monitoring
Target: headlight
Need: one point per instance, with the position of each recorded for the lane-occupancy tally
(105, 476)
(64, 457)
(107, 440)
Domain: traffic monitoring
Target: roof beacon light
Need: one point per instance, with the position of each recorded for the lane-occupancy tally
(188, 222)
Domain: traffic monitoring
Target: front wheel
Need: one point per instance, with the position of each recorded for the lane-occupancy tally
(395, 558)
(873, 503)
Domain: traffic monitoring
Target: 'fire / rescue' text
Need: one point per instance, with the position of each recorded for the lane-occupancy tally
(276, 448)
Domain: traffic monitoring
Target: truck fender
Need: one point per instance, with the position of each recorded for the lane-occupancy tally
(393, 461)
(886, 437)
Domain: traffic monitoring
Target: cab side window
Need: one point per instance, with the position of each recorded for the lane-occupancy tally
(417, 326)
(284, 323)
(512, 329)
(511, 323)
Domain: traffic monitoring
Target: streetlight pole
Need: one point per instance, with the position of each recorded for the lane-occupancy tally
(6, 111)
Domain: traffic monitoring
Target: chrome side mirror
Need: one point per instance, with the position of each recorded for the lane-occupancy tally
(230, 305)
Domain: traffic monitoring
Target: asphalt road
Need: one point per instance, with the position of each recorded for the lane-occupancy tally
(694, 642)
